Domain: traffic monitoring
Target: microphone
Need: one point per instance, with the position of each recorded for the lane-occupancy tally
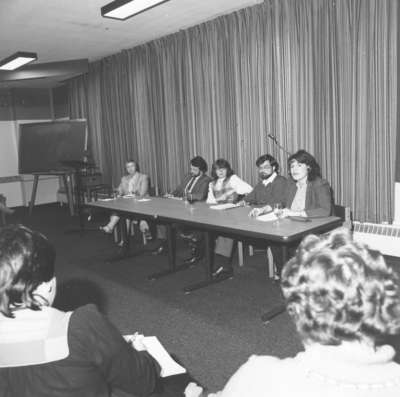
(273, 139)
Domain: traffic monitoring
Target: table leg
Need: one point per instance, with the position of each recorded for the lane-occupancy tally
(33, 195)
(211, 278)
(68, 189)
(172, 268)
(280, 308)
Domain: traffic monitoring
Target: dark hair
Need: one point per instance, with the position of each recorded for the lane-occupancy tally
(26, 261)
(267, 157)
(303, 157)
(200, 163)
(221, 163)
(339, 290)
(134, 162)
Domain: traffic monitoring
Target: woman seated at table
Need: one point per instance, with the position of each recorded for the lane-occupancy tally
(344, 301)
(134, 183)
(226, 186)
(307, 194)
(47, 352)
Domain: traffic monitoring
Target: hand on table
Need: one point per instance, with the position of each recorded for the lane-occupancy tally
(259, 211)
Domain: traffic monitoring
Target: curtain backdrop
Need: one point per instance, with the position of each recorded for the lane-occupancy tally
(318, 74)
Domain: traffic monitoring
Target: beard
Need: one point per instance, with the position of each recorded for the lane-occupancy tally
(264, 176)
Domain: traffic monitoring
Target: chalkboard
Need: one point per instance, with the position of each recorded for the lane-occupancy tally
(43, 147)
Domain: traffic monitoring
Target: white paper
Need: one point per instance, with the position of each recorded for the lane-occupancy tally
(267, 217)
(154, 347)
(225, 206)
(143, 199)
(106, 199)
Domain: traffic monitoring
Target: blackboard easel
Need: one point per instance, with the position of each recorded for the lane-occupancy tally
(68, 187)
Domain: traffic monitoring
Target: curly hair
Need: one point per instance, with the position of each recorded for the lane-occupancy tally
(26, 261)
(339, 290)
(200, 163)
(303, 157)
(267, 157)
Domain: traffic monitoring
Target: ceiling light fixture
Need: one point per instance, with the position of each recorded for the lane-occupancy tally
(124, 9)
(17, 60)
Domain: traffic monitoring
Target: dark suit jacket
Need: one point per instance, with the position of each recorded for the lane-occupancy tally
(318, 197)
(262, 195)
(199, 190)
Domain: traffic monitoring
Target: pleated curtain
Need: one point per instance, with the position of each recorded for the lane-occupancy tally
(320, 75)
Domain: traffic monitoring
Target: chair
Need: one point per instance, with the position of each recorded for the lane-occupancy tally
(3, 220)
(344, 213)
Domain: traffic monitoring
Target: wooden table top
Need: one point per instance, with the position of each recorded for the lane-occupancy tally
(232, 221)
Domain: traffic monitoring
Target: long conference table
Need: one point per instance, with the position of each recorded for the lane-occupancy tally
(233, 222)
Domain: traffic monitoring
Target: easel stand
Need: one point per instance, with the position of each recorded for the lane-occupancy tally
(67, 184)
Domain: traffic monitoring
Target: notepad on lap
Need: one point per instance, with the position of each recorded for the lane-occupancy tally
(168, 365)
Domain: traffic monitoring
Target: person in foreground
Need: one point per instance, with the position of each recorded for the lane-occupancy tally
(133, 183)
(344, 300)
(47, 352)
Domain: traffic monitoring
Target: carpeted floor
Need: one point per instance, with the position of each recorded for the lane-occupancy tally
(212, 331)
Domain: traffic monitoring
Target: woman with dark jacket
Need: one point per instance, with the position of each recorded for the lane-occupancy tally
(48, 352)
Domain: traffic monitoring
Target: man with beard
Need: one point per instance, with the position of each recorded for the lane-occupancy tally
(271, 187)
(194, 185)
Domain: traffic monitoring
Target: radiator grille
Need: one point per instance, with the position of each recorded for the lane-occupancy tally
(384, 238)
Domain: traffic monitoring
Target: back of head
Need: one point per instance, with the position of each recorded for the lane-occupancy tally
(339, 290)
(26, 261)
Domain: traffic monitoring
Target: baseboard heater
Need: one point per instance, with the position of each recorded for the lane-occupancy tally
(385, 238)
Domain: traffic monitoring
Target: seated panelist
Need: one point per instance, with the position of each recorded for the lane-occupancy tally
(271, 187)
(195, 183)
(344, 301)
(134, 183)
(48, 352)
(306, 194)
(225, 186)
(194, 186)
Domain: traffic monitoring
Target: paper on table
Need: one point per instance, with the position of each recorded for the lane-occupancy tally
(267, 217)
(168, 365)
(226, 206)
(143, 199)
(106, 199)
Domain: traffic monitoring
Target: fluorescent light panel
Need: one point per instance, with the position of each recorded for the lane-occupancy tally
(17, 60)
(124, 9)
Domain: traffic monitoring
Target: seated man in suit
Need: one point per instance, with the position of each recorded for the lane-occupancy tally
(271, 187)
(194, 184)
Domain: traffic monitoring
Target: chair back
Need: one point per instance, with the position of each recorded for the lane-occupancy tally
(344, 213)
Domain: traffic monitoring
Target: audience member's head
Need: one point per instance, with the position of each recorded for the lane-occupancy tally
(339, 290)
(221, 169)
(26, 269)
(303, 158)
(198, 165)
(267, 165)
(132, 166)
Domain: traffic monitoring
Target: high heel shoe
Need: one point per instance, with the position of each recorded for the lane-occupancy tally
(106, 229)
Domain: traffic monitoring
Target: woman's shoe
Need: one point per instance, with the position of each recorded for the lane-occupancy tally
(106, 229)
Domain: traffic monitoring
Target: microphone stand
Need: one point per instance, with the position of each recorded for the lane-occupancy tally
(273, 139)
